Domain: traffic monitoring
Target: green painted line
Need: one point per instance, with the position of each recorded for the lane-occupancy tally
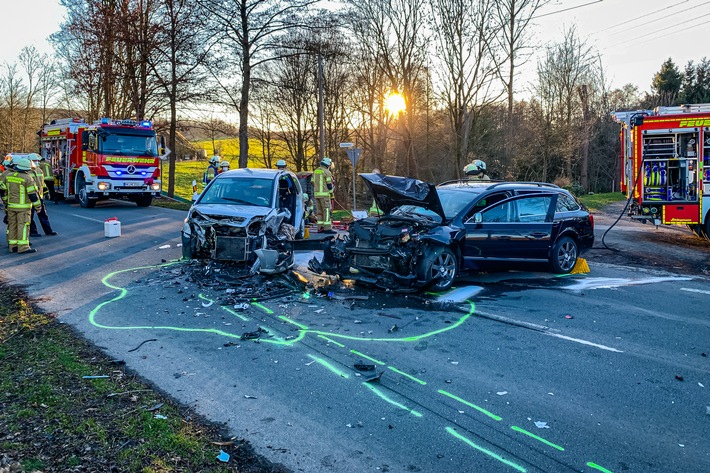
(291, 321)
(368, 357)
(204, 298)
(332, 368)
(382, 396)
(463, 401)
(597, 467)
(237, 314)
(331, 341)
(407, 375)
(485, 450)
(536, 437)
(262, 307)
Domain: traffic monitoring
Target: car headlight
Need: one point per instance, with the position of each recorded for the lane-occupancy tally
(155, 186)
(103, 186)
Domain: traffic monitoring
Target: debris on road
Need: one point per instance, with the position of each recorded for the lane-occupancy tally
(502, 393)
(223, 456)
(96, 377)
(541, 425)
(246, 396)
(375, 379)
(143, 342)
(679, 378)
(364, 367)
(155, 407)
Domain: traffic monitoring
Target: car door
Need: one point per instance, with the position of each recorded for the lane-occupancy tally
(518, 228)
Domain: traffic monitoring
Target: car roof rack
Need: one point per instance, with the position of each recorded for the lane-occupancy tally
(530, 183)
(467, 181)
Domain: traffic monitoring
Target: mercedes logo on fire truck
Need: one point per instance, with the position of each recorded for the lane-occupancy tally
(131, 169)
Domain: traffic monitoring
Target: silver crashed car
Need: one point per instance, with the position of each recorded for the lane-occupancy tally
(247, 215)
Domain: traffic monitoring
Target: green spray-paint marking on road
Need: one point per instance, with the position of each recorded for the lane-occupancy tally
(406, 375)
(332, 368)
(484, 450)
(243, 317)
(291, 321)
(536, 437)
(382, 396)
(597, 467)
(367, 357)
(463, 401)
(331, 341)
(262, 307)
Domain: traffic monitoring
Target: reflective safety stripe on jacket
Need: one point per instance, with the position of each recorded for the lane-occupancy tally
(18, 187)
(321, 179)
(46, 170)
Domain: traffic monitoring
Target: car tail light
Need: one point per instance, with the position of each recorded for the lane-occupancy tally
(591, 220)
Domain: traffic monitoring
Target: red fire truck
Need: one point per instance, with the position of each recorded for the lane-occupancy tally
(665, 165)
(107, 159)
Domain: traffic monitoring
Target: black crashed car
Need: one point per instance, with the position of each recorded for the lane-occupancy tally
(428, 234)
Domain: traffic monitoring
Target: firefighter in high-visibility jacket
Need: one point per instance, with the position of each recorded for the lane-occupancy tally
(46, 169)
(323, 192)
(18, 191)
(41, 211)
(374, 209)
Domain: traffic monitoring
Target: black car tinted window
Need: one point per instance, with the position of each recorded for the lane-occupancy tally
(566, 203)
(534, 209)
(498, 213)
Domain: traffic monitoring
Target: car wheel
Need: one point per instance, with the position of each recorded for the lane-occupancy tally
(439, 262)
(84, 200)
(564, 255)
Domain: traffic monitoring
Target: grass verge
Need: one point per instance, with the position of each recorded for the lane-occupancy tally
(595, 202)
(53, 419)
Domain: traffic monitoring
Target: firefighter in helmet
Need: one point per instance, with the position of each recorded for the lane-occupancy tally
(211, 171)
(476, 170)
(281, 165)
(17, 189)
(323, 192)
(48, 176)
(41, 211)
(224, 167)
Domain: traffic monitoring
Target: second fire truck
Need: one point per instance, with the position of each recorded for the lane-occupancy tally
(102, 160)
(665, 165)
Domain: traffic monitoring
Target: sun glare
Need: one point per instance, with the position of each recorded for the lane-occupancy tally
(394, 103)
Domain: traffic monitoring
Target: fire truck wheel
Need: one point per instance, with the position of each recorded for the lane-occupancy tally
(144, 200)
(84, 200)
(564, 255)
(705, 227)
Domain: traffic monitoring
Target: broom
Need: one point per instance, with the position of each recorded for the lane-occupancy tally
(580, 267)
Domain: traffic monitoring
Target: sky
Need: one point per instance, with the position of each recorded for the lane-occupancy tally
(633, 37)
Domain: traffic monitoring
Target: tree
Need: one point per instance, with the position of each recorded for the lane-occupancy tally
(666, 83)
(251, 32)
(177, 57)
(13, 91)
(514, 17)
(467, 53)
(696, 82)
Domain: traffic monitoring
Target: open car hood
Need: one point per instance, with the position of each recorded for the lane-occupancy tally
(393, 191)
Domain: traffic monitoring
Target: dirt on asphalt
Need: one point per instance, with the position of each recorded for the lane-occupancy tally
(671, 248)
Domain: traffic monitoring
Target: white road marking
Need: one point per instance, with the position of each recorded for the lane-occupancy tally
(700, 291)
(87, 218)
(609, 283)
(583, 342)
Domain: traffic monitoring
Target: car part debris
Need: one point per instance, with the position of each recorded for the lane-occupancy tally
(364, 367)
(241, 306)
(143, 342)
(375, 379)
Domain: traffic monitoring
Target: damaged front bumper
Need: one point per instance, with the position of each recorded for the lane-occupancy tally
(264, 242)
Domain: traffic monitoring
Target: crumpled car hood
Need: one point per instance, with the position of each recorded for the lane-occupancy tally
(393, 191)
(228, 210)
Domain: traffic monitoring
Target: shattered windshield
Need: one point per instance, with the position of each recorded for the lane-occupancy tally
(239, 191)
(452, 201)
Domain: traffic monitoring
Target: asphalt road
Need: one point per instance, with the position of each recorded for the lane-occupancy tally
(519, 371)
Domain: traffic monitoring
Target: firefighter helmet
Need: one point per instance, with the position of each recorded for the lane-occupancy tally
(326, 162)
(35, 157)
(214, 160)
(281, 164)
(225, 164)
(475, 168)
(7, 161)
(22, 164)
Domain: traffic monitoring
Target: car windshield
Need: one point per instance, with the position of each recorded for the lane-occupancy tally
(239, 191)
(453, 201)
(129, 145)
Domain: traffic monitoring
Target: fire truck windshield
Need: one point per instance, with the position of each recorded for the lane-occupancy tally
(128, 145)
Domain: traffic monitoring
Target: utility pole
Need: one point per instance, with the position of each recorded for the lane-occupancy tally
(321, 120)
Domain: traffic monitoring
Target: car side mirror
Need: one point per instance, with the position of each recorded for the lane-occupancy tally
(477, 217)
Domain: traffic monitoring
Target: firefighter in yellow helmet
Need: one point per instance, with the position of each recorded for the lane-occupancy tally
(323, 192)
(476, 171)
(18, 191)
(41, 211)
